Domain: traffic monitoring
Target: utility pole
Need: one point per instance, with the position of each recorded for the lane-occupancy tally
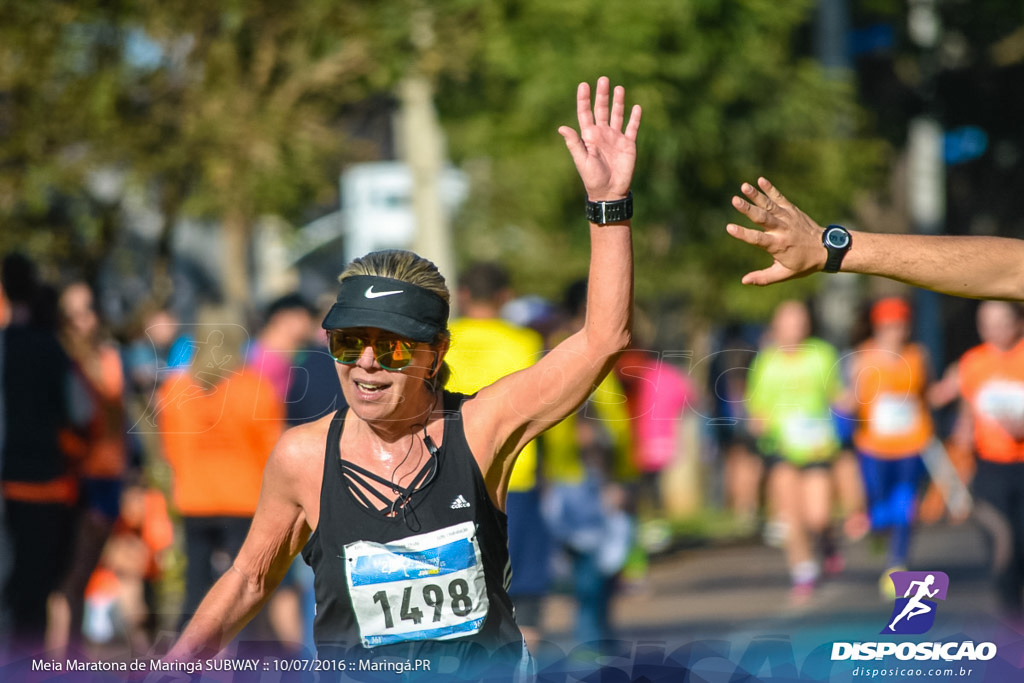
(423, 150)
(840, 293)
(831, 36)
(926, 169)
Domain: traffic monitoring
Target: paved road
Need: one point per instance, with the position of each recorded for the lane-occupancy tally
(739, 596)
(715, 591)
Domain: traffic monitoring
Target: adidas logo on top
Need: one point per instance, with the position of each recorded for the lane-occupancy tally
(460, 503)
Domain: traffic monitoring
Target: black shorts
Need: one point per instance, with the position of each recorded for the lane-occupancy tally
(772, 459)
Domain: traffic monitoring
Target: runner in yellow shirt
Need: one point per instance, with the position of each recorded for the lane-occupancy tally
(483, 349)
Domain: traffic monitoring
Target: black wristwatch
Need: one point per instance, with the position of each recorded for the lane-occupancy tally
(614, 211)
(837, 241)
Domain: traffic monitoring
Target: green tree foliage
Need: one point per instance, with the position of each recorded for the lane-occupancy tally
(725, 98)
(229, 110)
(223, 110)
(245, 121)
(59, 68)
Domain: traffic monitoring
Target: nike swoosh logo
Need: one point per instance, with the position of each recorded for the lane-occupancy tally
(370, 294)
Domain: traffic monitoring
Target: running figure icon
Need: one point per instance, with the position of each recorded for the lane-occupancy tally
(915, 606)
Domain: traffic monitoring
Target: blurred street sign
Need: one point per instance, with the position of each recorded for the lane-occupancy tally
(873, 39)
(376, 205)
(965, 143)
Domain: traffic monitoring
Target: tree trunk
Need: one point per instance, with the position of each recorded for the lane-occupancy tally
(235, 257)
(162, 282)
(423, 151)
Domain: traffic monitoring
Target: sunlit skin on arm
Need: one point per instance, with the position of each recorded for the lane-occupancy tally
(279, 529)
(531, 400)
(968, 266)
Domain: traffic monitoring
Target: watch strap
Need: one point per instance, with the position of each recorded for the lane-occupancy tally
(834, 260)
(614, 211)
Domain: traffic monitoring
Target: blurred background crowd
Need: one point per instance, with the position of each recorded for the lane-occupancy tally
(181, 182)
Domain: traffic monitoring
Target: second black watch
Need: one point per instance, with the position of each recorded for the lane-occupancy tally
(837, 241)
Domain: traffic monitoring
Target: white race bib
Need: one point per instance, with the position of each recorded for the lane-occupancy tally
(802, 434)
(894, 414)
(425, 587)
(1002, 399)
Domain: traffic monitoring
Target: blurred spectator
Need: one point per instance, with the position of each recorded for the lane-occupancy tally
(792, 385)
(949, 491)
(485, 348)
(743, 467)
(313, 391)
(274, 355)
(889, 382)
(285, 329)
(218, 423)
(586, 457)
(535, 312)
(121, 593)
(159, 347)
(38, 487)
(98, 449)
(991, 377)
(658, 392)
(847, 476)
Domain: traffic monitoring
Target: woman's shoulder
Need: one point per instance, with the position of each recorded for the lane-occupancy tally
(298, 456)
(300, 441)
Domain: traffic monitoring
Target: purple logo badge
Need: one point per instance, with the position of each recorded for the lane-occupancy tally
(914, 612)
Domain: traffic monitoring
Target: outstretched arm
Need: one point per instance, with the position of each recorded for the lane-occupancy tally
(277, 534)
(516, 408)
(969, 266)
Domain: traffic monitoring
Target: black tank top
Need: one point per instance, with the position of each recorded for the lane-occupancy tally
(427, 585)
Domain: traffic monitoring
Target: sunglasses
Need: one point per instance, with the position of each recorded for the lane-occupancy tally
(392, 353)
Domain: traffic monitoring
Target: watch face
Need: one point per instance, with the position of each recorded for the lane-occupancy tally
(837, 238)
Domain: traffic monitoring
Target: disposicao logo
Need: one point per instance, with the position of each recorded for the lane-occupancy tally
(914, 613)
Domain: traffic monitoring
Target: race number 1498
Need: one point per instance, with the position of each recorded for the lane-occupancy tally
(433, 596)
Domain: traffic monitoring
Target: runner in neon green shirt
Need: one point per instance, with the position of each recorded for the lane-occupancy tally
(792, 385)
(792, 389)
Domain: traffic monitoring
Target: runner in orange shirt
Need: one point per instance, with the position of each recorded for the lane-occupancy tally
(218, 423)
(889, 377)
(991, 378)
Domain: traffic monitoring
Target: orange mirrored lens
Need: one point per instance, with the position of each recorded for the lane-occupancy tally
(391, 354)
